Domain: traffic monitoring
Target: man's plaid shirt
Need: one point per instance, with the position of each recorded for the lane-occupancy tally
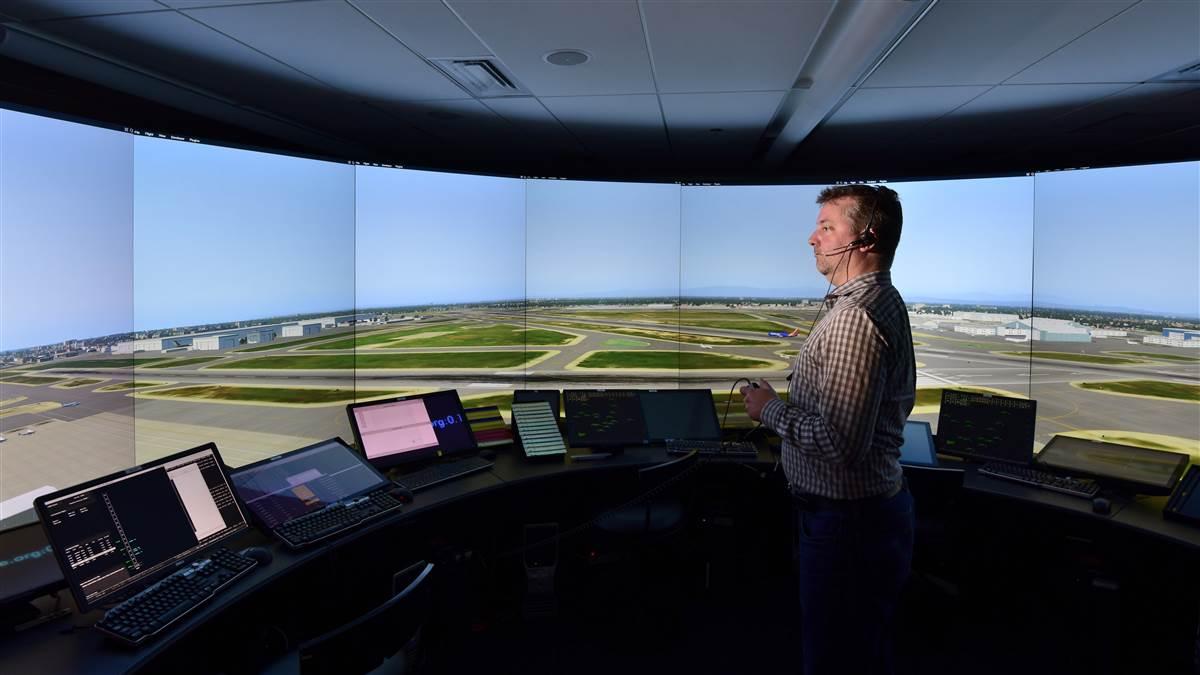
(853, 386)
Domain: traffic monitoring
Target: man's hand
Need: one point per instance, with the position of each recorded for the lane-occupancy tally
(756, 398)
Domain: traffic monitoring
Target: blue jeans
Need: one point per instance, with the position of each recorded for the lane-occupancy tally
(852, 565)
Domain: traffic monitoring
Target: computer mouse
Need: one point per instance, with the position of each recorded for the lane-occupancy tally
(1102, 506)
(488, 454)
(401, 494)
(257, 553)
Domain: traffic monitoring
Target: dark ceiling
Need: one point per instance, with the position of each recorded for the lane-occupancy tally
(723, 90)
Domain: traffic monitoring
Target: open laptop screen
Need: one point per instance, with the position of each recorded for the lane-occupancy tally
(119, 531)
(680, 414)
(986, 427)
(290, 485)
(411, 428)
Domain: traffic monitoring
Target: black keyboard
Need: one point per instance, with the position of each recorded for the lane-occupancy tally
(1079, 487)
(335, 518)
(739, 449)
(440, 473)
(152, 610)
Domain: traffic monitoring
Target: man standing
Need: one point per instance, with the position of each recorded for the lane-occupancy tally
(852, 388)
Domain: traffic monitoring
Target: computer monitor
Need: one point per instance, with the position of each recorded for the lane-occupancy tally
(1150, 472)
(121, 531)
(290, 485)
(406, 429)
(986, 427)
(27, 565)
(604, 418)
(918, 448)
(551, 396)
(680, 414)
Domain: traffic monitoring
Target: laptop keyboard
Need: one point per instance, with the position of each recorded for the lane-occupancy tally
(1078, 487)
(335, 518)
(739, 449)
(151, 611)
(440, 473)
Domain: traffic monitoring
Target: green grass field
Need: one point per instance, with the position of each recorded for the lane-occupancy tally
(669, 360)
(285, 343)
(699, 318)
(30, 379)
(1168, 390)
(80, 382)
(625, 342)
(1160, 357)
(1075, 358)
(270, 394)
(130, 384)
(386, 361)
(380, 337)
(177, 363)
(98, 363)
(501, 335)
(665, 335)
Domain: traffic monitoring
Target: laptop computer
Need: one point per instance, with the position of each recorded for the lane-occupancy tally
(425, 439)
(313, 493)
(986, 427)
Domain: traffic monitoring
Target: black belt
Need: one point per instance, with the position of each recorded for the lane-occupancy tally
(811, 502)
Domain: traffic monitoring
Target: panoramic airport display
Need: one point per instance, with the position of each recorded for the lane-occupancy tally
(159, 294)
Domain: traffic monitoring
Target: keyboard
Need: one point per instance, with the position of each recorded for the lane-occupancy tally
(440, 473)
(335, 518)
(152, 610)
(740, 449)
(1078, 487)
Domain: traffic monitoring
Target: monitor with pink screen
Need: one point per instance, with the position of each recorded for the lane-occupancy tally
(410, 428)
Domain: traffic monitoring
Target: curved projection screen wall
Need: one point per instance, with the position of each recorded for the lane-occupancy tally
(161, 294)
(234, 251)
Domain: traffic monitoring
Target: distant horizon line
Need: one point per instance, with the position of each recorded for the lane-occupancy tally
(598, 300)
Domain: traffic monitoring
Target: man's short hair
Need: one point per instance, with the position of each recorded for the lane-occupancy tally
(875, 207)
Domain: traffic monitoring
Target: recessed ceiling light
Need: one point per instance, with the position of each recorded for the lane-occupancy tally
(567, 57)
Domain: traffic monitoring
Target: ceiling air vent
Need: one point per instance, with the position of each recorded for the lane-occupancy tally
(482, 77)
(1187, 73)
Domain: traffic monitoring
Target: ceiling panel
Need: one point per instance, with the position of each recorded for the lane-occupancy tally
(187, 51)
(192, 4)
(885, 105)
(35, 10)
(335, 43)
(457, 121)
(1038, 101)
(730, 46)
(425, 26)
(536, 129)
(1147, 41)
(987, 41)
(521, 33)
(739, 120)
(608, 125)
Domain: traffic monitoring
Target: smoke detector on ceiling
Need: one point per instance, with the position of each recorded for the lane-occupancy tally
(567, 57)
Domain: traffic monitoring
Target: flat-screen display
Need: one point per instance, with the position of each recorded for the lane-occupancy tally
(1149, 471)
(27, 565)
(117, 532)
(986, 427)
(551, 396)
(918, 448)
(288, 486)
(680, 414)
(411, 428)
(604, 418)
